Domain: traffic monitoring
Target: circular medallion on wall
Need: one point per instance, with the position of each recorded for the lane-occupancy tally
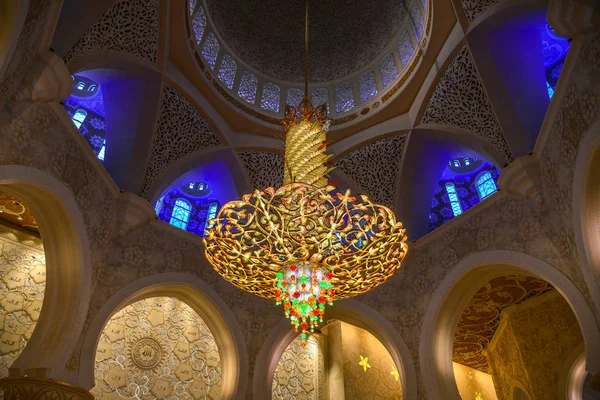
(146, 353)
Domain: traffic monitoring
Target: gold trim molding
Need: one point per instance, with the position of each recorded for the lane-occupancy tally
(30, 388)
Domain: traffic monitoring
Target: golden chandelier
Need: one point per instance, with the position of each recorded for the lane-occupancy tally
(306, 243)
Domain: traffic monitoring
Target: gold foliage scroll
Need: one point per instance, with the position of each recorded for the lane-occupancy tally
(358, 241)
(157, 348)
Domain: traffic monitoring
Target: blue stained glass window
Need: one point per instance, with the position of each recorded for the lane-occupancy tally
(79, 117)
(417, 21)
(181, 214)
(270, 97)
(212, 213)
(320, 96)
(466, 161)
(199, 24)
(550, 90)
(406, 49)
(294, 97)
(485, 185)
(211, 50)
(367, 86)
(248, 86)
(159, 204)
(388, 70)
(102, 150)
(344, 97)
(227, 71)
(454, 200)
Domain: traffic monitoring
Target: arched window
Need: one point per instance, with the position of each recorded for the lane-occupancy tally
(80, 85)
(456, 163)
(454, 200)
(181, 213)
(92, 88)
(406, 48)
(466, 161)
(211, 50)
(212, 213)
(485, 185)
(320, 96)
(199, 24)
(388, 70)
(344, 97)
(367, 86)
(227, 71)
(417, 21)
(248, 86)
(294, 97)
(79, 117)
(270, 97)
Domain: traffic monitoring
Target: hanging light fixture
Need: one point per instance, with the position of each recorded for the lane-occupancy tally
(307, 243)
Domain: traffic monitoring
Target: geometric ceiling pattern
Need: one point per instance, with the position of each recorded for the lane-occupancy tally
(481, 317)
(265, 169)
(16, 213)
(460, 100)
(128, 27)
(375, 168)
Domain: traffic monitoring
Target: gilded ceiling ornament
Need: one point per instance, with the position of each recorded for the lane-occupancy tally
(307, 243)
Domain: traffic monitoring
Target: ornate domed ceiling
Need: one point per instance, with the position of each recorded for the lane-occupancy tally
(345, 35)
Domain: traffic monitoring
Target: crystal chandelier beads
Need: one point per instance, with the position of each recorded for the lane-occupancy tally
(305, 289)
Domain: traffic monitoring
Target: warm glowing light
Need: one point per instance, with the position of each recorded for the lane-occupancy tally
(395, 373)
(307, 243)
(364, 362)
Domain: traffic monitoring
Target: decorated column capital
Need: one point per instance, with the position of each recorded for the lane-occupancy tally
(47, 79)
(29, 388)
(574, 17)
(523, 178)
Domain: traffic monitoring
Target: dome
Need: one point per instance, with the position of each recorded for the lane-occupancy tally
(360, 52)
(269, 35)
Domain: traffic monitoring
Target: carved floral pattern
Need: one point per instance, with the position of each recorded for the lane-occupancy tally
(474, 8)
(129, 27)
(375, 167)
(22, 287)
(180, 131)
(157, 348)
(299, 372)
(264, 169)
(460, 100)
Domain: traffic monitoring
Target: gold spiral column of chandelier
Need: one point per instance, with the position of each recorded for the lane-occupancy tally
(307, 243)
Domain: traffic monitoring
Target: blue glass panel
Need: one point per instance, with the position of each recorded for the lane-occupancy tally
(454, 200)
(550, 90)
(212, 213)
(486, 185)
(102, 151)
(79, 117)
(181, 214)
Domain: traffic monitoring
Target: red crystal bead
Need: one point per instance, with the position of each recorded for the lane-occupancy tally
(297, 295)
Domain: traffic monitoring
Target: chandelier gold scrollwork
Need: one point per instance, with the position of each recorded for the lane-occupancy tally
(307, 243)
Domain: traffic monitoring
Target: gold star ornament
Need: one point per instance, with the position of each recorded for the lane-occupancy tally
(364, 362)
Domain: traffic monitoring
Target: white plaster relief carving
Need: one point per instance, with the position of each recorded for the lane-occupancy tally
(375, 167)
(129, 26)
(460, 100)
(263, 168)
(180, 130)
